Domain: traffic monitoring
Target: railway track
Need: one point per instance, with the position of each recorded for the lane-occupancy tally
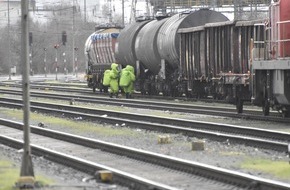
(83, 88)
(224, 111)
(136, 169)
(235, 134)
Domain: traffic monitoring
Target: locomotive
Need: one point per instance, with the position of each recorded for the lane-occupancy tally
(203, 54)
(271, 61)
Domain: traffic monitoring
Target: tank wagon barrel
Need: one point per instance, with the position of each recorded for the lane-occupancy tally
(146, 45)
(168, 38)
(154, 46)
(125, 51)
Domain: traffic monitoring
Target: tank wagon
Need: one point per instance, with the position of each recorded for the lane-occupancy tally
(152, 47)
(271, 60)
(100, 54)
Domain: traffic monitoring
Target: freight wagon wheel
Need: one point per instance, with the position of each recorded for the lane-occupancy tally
(165, 93)
(153, 91)
(199, 95)
(266, 107)
(143, 92)
(286, 113)
(178, 94)
(105, 89)
(265, 102)
(239, 105)
(166, 90)
(144, 88)
(239, 102)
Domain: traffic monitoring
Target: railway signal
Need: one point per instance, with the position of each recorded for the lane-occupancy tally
(30, 39)
(56, 46)
(64, 37)
(44, 61)
(76, 61)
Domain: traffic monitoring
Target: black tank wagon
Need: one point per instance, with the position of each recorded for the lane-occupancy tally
(153, 48)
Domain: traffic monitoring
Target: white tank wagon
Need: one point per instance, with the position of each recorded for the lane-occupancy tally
(100, 54)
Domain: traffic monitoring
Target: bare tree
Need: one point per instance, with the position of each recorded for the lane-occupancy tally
(45, 35)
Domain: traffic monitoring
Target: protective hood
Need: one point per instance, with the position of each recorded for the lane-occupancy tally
(114, 66)
(130, 68)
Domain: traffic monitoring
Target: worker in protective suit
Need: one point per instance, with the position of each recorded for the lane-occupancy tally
(106, 80)
(127, 80)
(114, 80)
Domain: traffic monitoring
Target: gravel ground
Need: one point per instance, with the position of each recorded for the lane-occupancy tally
(221, 154)
(63, 178)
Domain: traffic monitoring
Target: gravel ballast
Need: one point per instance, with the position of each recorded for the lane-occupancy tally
(221, 154)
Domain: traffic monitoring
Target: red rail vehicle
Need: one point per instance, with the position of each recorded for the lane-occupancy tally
(271, 61)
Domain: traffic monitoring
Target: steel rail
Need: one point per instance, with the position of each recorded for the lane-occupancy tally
(194, 168)
(120, 177)
(247, 135)
(175, 107)
(89, 91)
